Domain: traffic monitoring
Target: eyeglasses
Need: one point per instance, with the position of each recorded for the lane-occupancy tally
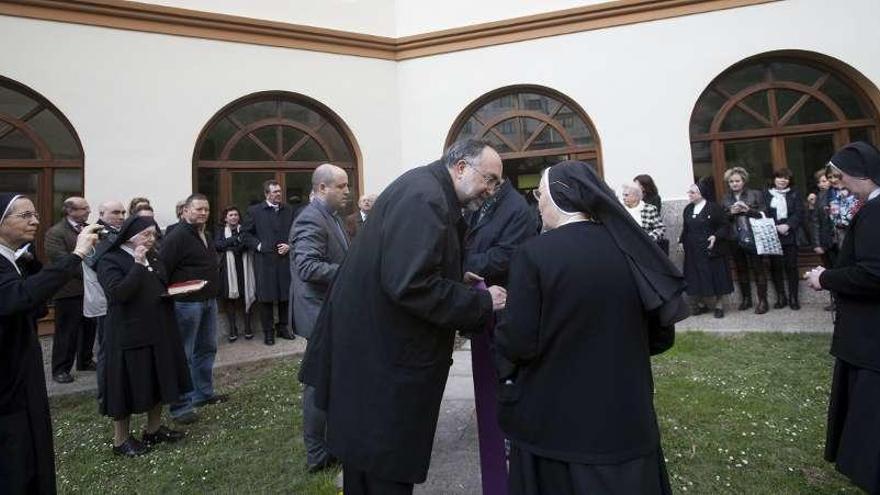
(26, 215)
(537, 192)
(490, 180)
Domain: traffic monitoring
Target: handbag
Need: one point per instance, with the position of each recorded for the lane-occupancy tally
(765, 236)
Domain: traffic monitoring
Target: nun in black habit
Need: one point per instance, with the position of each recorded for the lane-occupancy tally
(853, 437)
(145, 365)
(590, 300)
(27, 459)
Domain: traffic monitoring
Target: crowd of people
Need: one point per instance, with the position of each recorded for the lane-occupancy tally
(380, 295)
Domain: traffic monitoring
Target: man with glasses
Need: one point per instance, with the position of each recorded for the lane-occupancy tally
(380, 351)
(74, 333)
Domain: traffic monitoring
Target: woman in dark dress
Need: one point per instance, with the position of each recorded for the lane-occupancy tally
(236, 272)
(145, 365)
(573, 321)
(704, 240)
(786, 206)
(27, 458)
(741, 203)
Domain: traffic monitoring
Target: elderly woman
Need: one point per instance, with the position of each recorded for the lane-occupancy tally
(236, 272)
(27, 459)
(573, 322)
(741, 203)
(645, 214)
(786, 207)
(704, 241)
(145, 366)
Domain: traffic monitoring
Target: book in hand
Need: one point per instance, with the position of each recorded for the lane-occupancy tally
(186, 287)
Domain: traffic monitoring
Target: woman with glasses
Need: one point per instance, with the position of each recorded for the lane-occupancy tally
(573, 321)
(145, 366)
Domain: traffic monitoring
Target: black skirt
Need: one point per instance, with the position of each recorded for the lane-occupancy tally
(531, 474)
(853, 437)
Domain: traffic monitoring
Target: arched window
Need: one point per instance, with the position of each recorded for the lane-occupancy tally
(776, 111)
(40, 154)
(532, 127)
(270, 135)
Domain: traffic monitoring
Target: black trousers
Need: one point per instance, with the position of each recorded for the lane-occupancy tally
(784, 270)
(357, 482)
(74, 336)
(749, 265)
(267, 318)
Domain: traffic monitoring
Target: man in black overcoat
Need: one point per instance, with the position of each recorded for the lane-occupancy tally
(381, 349)
(267, 227)
(853, 437)
(27, 460)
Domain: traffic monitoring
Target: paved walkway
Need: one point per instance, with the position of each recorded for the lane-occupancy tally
(455, 459)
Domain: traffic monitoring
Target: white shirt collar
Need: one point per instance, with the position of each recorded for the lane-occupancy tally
(363, 216)
(874, 194)
(10, 255)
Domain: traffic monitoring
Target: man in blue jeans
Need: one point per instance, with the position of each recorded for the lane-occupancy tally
(188, 254)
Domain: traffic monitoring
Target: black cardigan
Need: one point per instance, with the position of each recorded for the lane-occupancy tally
(795, 219)
(186, 257)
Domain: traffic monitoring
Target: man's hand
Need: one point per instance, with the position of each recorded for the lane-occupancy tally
(86, 240)
(282, 248)
(499, 297)
(471, 278)
(812, 278)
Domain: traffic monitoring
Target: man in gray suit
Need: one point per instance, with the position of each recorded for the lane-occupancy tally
(318, 244)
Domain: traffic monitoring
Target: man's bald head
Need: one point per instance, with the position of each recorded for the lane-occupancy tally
(330, 185)
(76, 209)
(112, 213)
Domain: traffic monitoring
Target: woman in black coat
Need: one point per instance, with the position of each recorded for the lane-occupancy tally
(236, 272)
(573, 321)
(145, 365)
(742, 203)
(704, 241)
(785, 205)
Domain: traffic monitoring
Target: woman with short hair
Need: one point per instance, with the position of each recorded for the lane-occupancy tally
(236, 272)
(740, 204)
(645, 214)
(786, 208)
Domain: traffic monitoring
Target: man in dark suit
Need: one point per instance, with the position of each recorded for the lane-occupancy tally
(853, 437)
(355, 222)
(318, 246)
(267, 228)
(74, 333)
(381, 348)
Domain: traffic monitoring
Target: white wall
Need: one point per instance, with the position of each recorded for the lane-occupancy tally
(138, 101)
(638, 83)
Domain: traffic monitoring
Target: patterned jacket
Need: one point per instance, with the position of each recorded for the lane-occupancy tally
(652, 223)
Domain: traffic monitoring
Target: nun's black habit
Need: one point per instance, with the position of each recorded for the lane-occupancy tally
(588, 302)
(27, 460)
(853, 440)
(705, 270)
(145, 363)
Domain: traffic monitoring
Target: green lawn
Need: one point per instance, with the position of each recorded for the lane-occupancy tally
(739, 414)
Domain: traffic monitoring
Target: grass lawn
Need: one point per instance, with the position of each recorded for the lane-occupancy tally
(739, 414)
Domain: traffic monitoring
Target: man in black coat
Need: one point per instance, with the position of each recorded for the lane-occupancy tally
(27, 462)
(853, 437)
(267, 227)
(381, 349)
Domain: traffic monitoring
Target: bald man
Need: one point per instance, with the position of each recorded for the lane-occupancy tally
(74, 333)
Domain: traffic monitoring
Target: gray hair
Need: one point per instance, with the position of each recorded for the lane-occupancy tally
(633, 188)
(468, 150)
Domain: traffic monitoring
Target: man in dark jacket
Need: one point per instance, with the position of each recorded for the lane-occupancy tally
(853, 437)
(355, 222)
(74, 333)
(380, 352)
(188, 255)
(267, 228)
(318, 246)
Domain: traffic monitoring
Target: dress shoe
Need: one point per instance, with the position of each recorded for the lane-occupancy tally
(215, 399)
(699, 309)
(132, 447)
(187, 419)
(248, 333)
(719, 313)
(327, 463)
(286, 333)
(90, 366)
(762, 307)
(269, 338)
(745, 304)
(781, 303)
(163, 434)
(62, 378)
(795, 305)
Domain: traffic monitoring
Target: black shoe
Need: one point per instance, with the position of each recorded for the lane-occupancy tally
(781, 303)
(131, 448)
(762, 307)
(187, 419)
(719, 313)
(215, 399)
(699, 309)
(248, 334)
(62, 378)
(269, 338)
(163, 434)
(745, 304)
(286, 333)
(327, 463)
(233, 333)
(795, 305)
(90, 366)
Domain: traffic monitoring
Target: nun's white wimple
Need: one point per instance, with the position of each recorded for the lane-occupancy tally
(9, 206)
